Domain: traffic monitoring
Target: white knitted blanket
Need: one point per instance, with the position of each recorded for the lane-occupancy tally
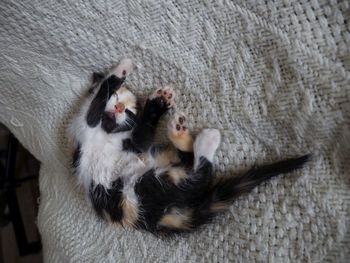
(273, 76)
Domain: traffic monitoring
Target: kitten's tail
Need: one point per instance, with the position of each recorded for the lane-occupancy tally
(226, 189)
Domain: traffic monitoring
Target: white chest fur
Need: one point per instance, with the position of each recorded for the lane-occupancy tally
(102, 159)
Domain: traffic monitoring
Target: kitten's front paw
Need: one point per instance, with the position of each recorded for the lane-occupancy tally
(179, 133)
(124, 68)
(166, 95)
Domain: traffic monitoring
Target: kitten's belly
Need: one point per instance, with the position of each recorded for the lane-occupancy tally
(102, 159)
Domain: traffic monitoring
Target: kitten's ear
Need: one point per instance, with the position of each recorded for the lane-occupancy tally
(97, 77)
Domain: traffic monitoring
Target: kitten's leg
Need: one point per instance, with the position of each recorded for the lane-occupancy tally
(204, 149)
(193, 186)
(109, 86)
(156, 105)
(97, 77)
(180, 135)
(196, 183)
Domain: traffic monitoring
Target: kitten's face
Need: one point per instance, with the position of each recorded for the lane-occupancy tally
(119, 102)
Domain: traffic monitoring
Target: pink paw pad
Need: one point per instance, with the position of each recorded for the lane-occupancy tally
(167, 93)
(178, 124)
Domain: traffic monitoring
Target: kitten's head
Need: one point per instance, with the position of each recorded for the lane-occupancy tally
(120, 112)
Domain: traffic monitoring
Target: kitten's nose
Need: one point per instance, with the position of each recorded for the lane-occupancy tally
(119, 107)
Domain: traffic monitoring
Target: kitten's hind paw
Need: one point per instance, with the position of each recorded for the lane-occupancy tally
(206, 144)
(177, 126)
(179, 133)
(166, 94)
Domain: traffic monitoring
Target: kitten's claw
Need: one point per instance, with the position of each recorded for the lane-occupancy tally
(179, 133)
(167, 94)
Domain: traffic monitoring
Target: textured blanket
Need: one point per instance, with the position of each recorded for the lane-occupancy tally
(273, 76)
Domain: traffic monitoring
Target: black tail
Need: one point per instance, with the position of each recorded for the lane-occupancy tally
(205, 198)
(227, 189)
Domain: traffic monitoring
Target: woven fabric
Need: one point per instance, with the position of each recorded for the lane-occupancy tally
(273, 76)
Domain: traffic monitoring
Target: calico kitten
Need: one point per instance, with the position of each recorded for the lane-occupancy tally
(135, 183)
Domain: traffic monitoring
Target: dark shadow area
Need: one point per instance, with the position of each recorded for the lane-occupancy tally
(19, 196)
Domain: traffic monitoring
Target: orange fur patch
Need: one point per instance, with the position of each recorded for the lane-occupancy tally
(177, 219)
(219, 206)
(177, 174)
(130, 212)
(128, 99)
(183, 142)
(166, 157)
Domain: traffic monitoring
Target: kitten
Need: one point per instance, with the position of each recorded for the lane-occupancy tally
(135, 183)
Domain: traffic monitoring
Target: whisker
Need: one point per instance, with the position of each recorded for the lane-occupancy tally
(129, 122)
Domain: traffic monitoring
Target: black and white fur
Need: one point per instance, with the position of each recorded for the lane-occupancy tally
(133, 182)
